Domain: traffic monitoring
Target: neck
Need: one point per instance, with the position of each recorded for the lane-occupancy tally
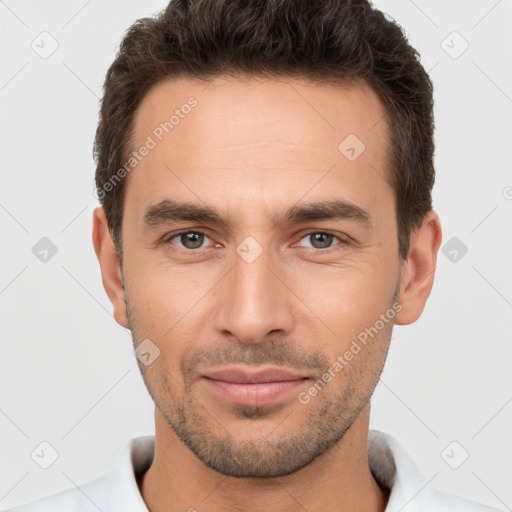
(339, 480)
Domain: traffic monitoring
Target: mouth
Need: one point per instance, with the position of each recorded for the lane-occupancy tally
(253, 388)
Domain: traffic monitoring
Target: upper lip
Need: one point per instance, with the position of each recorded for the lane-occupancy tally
(245, 376)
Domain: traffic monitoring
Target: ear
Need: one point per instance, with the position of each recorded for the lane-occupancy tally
(110, 269)
(418, 270)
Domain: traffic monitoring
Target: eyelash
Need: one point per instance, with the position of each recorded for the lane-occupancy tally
(167, 240)
(341, 242)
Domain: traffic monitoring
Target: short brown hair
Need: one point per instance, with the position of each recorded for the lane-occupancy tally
(325, 41)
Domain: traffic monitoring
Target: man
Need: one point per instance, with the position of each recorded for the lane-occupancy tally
(265, 171)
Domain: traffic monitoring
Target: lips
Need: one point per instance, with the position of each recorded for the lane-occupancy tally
(253, 388)
(241, 376)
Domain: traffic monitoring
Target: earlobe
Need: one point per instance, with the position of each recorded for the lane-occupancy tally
(419, 270)
(109, 264)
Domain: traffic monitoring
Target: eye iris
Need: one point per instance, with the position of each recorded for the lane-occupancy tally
(321, 240)
(192, 240)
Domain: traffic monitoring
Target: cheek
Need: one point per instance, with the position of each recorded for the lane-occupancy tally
(164, 293)
(166, 307)
(345, 299)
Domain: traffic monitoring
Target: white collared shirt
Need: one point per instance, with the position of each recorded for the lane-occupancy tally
(117, 490)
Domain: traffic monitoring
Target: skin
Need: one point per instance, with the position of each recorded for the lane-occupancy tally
(250, 149)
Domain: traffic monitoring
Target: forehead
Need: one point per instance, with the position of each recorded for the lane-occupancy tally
(263, 107)
(258, 136)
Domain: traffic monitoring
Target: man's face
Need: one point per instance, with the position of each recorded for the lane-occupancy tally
(259, 289)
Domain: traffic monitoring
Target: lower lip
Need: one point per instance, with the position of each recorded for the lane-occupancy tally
(254, 395)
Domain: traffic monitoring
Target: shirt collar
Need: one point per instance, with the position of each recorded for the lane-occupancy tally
(133, 460)
(389, 462)
(393, 468)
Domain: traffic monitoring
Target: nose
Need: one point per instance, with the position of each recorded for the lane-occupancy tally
(254, 301)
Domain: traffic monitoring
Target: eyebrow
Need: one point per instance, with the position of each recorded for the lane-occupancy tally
(325, 210)
(169, 210)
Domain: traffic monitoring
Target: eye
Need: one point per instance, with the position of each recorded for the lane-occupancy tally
(320, 239)
(189, 240)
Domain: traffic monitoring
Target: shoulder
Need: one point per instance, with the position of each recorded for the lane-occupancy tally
(446, 502)
(116, 489)
(393, 468)
(86, 498)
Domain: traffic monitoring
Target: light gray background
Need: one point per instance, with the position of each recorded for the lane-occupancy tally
(67, 371)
